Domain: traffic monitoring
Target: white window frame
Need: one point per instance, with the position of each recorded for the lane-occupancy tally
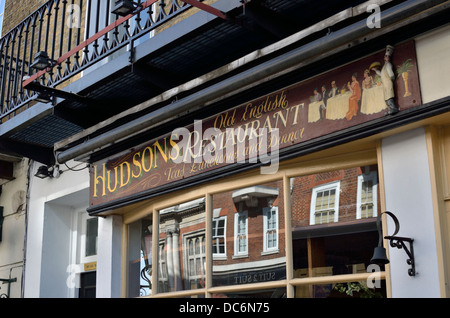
(199, 259)
(266, 212)
(372, 176)
(237, 215)
(163, 276)
(329, 186)
(84, 217)
(223, 255)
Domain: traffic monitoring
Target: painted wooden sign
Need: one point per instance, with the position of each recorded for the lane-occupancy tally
(364, 90)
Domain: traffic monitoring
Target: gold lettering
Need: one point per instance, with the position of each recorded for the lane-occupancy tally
(122, 174)
(137, 164)
(225, 120)
(150, 159)
(97, 178)
(115, 180)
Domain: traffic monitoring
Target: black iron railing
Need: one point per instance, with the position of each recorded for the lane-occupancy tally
(76, 34)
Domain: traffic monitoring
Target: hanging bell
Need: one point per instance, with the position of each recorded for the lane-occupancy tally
(379, 256)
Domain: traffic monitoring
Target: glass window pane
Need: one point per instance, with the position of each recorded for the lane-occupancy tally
(182, 232)
(140, 257)
(328, 238)
(252, 248)
(91, 236)
(340, 290)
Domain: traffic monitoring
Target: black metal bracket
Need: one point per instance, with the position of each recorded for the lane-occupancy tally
(399, 242)
(7, 281)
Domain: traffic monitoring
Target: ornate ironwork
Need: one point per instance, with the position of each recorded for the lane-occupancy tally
(76, 34)
(399, 242)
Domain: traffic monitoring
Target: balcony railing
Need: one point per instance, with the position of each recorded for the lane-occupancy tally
(76, 34)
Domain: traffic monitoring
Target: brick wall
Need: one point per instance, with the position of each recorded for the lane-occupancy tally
(255, 226)
(302, 188)
(16, 11)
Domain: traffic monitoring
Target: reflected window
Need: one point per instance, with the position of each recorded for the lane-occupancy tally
(162, 269)
(219, 237)
(182, 254)
(196, 258)
(333, 226)
(270, 229)
(367, 195)
(325, 203)
(241, 236)
(247, 223)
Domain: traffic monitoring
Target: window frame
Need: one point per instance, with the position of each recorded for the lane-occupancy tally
(318, 163)
(373, 176)
(336, 185)
(219, 256)
(84, 217)
(201, 234)
(266, 248)
(237, 253)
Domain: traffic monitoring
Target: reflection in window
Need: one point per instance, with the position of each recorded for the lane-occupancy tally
(196, 258)
(219, 237)
(240, 228)
(163, 281)
(140, 258)
(333, 225)
(340, 290)
(270, 229)
(325, 204)
(251, 220)
(367, 195)
(182, 247)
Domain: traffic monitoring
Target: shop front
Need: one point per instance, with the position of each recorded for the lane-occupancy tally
(279, 196)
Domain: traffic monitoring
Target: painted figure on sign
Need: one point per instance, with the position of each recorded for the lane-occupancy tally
(387, 76)
(353, 102)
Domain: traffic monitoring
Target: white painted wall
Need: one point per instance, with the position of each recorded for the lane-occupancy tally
(408, 196)
(53, 259)
(52, 203)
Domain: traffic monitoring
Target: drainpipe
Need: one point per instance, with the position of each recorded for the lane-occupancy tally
(331, 44)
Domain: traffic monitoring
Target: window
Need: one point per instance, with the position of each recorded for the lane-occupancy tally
(325, 204)
(89, 238)
(196, 259)
(163, 279)
(219, 237)
(241, 234)
(182, 253)
(270, 229)
(367, 195)
(255, 218)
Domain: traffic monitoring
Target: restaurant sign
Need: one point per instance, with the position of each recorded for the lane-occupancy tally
(254, 132)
